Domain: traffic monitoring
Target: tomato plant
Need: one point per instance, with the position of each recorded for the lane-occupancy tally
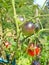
(24, 32)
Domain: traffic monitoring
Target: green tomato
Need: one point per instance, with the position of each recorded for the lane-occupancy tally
(28, 28)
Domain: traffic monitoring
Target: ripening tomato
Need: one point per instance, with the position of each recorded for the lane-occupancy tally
(7, 43)
(37, 50)
(28, 28)
(33, 50)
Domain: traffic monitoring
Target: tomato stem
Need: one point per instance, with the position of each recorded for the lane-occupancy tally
(44, 4)
(15, 17)
(43, 30)
(36, 34)
(45, 15)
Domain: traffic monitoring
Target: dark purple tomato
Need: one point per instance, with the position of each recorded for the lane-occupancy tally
(35, 63)
(37, 26)
(28, 28)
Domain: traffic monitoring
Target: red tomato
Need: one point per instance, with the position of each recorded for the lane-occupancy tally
(30, 52)
(33, 50)
(37, 50)
(7, 43)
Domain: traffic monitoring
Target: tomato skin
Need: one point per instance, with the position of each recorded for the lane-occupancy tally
(30, 52)
(7, 44)
(37, 50)
(28, 28)
(35, 63)
(33, 50)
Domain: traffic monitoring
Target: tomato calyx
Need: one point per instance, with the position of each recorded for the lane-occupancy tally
(37, 50)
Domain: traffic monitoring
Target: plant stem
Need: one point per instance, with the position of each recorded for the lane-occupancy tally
(15, 17)
(37, 19)
(45, 15)
(44, 4)
(43, 30)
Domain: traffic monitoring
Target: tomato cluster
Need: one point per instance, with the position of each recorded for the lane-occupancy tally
(33, 50)
(29, 28)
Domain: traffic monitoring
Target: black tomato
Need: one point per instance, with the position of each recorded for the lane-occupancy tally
(28, 28)
(37, 26)
(35, 63)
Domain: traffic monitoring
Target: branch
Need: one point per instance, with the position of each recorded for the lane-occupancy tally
(42, 30)
(45, 15)
(43, 4)
(15, 17)
(36, 35)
